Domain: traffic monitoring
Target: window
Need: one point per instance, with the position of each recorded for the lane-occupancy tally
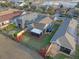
(65, 50)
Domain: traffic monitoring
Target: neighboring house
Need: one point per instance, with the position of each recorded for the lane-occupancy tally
(7, 15)
(42, 26)
(64, 39)
(57, 4)
(27, 18)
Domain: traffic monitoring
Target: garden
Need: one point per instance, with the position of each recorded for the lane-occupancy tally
(11, 30)
(9, 27)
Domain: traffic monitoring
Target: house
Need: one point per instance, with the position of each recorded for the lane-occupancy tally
(7, 15)
(41, 27)
(24, 19)
(64, 39)
(27, 18)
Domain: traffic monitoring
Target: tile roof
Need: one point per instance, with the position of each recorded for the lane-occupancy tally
(8, 11)
(9, 14)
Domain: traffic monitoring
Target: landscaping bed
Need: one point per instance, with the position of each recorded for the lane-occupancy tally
(10, 27)
(11, 30)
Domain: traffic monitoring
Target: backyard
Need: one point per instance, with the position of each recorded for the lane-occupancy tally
(32, 42)
(38, 43)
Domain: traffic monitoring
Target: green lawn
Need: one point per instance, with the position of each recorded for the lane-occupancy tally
(60, 56)
(10, 27)
(37, 43)
(77, 52)
(48, 57)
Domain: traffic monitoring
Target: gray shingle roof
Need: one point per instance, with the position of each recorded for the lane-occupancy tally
(61, 31)
(39, 26)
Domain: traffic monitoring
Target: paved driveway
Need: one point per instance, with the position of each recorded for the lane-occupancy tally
(13, 50)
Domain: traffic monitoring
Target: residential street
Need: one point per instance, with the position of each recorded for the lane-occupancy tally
(10, 49)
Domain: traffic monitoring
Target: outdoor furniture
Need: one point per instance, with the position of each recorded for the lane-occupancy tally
(36, 32)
